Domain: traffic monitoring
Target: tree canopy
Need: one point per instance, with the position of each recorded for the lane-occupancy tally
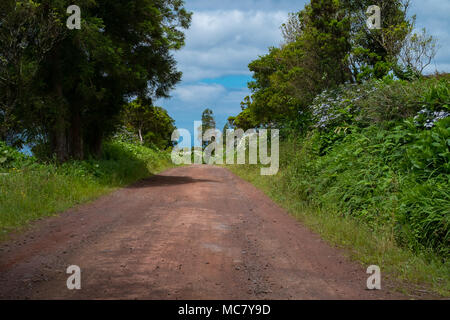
(328, 44)
(151, 124)
(66, 88)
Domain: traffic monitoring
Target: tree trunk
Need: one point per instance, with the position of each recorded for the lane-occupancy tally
(60, 147)
(77, 150)
(98, 143)
(140, 136)
(59, 129)
(95, 140)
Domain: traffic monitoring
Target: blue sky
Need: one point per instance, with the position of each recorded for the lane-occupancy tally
(226, 35)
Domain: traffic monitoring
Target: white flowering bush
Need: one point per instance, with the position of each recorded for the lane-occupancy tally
(382, 101)
(428, 118)
(339, 106)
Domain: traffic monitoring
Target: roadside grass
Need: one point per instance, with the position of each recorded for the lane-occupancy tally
(421, 270)
(40, 190)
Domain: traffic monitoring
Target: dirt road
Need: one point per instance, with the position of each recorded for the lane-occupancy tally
(195, 232)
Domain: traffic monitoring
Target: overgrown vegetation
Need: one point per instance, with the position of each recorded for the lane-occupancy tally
(31, 189)
(63, 93)
(376, 160)
(365, 156)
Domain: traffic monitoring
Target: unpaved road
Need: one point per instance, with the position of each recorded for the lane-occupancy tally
(195, 232)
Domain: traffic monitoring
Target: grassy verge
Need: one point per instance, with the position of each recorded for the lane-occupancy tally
(32, 191)
(423, 270)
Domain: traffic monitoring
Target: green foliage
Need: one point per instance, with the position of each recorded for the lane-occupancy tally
(397, 100)
(26, 36)
(363, 242)
(288, 78)
(371, 153)
(11, 158)
(380, 101)
(429, 154)
(326, 33)
(370, 159)
(437, 97)
(327, 45)
(161, 129)
(375, 52)
(151, 125)
(423, 220)
(245, 120)
(417, 52)
(75, 86)
(30, 191)
(208, 123)
(123, 134)
(393, 180)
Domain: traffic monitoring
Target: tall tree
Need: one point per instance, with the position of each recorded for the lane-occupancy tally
(124, 49)
(161, 129)
(314, 57)
(326, 36)
(137, 116)
(375, 51)
(208, 123)
(327, 44)
(27, 34)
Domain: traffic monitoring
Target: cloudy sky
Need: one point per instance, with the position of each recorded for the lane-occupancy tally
(226, 35)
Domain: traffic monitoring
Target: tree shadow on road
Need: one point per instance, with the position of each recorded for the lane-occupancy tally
(161, 181)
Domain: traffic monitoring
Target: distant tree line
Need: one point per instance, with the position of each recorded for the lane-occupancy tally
(64, 91)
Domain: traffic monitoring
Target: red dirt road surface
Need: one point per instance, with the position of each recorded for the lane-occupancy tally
(194, 232)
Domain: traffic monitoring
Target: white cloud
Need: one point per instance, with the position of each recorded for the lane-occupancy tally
(264, 5)
(196, 98)
(199, 93)
(432, 9)
(189, 101)
(224, 42)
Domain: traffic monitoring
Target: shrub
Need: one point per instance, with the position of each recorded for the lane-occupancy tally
(392, 101)
(429, 154)
(394, 180)
(11, 158)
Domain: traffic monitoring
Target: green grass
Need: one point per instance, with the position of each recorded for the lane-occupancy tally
(410, 270)
(35, 190)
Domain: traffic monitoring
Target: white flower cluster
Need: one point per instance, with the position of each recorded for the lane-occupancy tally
(327, 106)
(431, 117)
(324, 108)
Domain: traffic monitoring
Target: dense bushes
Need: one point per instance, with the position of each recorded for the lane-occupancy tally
(378, 152)
(391, 173)
(365, 136)
(380, 101)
